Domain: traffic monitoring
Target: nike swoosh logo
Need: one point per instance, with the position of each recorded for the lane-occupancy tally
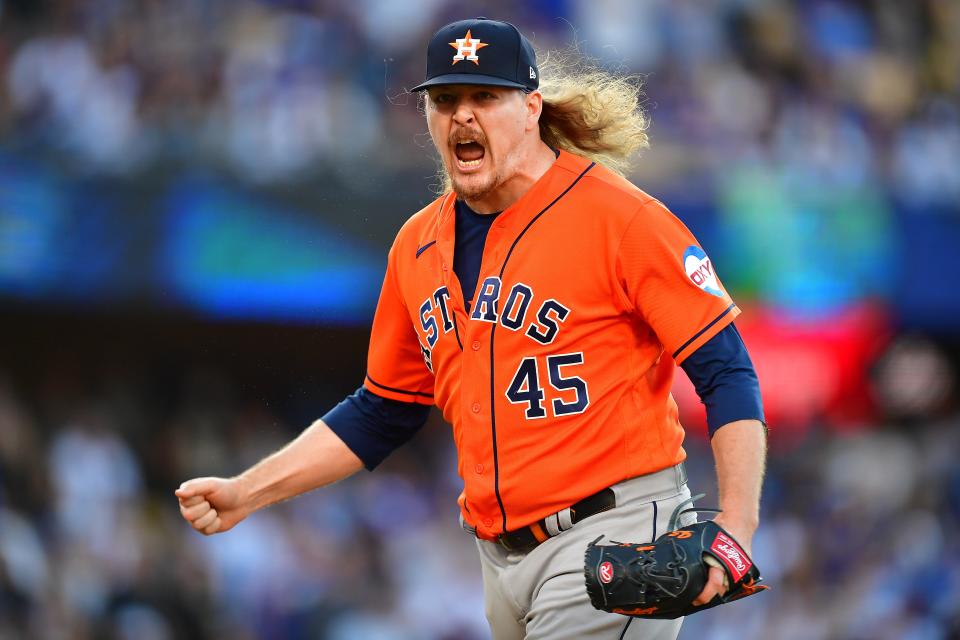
(425, 247)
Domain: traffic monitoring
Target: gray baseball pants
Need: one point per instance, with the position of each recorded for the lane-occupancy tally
(541, 595)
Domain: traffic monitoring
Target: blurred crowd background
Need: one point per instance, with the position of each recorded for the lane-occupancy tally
(196, 199)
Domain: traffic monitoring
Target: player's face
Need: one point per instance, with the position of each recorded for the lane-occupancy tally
(478, 132)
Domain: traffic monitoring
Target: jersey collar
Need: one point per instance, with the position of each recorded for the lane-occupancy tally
(514, 218)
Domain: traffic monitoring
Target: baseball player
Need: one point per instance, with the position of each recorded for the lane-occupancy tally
(541, 302)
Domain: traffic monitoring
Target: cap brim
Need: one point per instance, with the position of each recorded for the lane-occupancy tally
(468, 78)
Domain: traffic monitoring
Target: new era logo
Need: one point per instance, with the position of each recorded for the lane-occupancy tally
(533, 74)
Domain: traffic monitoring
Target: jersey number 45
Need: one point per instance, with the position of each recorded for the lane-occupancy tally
(526, 388)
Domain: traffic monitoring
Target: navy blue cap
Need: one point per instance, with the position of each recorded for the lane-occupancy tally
(481, 51)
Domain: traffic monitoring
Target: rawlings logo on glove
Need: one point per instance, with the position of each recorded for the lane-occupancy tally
(726, 550)
(661, 580)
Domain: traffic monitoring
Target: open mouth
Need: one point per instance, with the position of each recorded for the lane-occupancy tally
(469, 154)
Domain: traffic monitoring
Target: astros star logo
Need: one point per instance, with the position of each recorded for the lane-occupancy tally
(467, 48)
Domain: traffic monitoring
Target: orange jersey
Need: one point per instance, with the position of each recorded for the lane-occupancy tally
(557, 381)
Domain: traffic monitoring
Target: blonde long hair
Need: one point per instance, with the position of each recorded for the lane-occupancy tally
(589, 111)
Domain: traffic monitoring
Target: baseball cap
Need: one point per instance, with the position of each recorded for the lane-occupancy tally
(481, 51)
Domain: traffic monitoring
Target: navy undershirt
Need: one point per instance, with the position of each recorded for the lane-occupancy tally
(726, 382)
(373, 426)
(471, 236)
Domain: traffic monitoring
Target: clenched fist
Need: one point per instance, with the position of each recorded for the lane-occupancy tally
(213, 505)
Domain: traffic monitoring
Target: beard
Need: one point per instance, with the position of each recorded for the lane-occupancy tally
(473, 187)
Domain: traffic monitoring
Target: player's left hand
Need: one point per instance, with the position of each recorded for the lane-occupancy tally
(717, 581)
(666, 579)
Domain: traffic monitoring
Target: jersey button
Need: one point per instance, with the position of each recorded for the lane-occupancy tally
(488, 522)
(476, 407)
(476, 345)
(478, 469)
(444, 266)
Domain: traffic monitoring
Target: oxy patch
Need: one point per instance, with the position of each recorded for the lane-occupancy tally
(699, 269)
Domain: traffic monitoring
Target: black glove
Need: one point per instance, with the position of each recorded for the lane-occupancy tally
(661, 580)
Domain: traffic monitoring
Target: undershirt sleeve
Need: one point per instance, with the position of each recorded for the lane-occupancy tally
(373, 426)
(723, 375)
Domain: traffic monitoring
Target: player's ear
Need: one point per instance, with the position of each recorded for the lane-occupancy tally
(533, 102)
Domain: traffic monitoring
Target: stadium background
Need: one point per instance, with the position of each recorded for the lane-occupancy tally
(196, 198)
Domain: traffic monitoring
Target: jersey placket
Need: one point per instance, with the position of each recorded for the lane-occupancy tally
(476, 448)
(479, 391)
(481, 335)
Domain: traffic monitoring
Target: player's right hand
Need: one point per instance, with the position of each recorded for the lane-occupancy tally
(212, 505)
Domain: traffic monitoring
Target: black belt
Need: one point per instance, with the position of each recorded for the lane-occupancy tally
(528, 537)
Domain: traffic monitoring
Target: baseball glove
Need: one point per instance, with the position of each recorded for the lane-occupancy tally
(662, 579)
